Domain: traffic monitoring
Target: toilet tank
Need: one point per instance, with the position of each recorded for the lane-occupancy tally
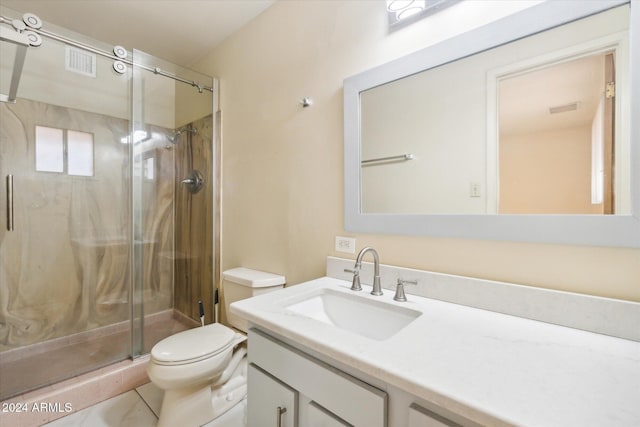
(240, 283)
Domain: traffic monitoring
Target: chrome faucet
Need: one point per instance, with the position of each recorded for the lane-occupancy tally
(355, 285)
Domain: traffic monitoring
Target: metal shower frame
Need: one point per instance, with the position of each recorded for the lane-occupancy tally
(20, 38)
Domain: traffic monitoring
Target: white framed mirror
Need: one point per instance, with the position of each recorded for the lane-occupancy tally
(521, 130)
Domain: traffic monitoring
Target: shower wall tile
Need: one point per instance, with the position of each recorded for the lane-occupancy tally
(194, 261)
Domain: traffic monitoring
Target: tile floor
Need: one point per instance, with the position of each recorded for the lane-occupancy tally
(139, 408)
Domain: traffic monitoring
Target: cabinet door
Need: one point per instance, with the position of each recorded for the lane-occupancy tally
(270, 403)
(347, 397)
(320, 417)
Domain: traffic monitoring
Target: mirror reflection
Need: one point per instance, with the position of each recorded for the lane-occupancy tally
(536, 126)
(556, 149)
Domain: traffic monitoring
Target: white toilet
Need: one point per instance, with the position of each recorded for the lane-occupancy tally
(203, 371)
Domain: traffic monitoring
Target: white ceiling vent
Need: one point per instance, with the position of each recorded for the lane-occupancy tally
(80, 61)
(564, 108)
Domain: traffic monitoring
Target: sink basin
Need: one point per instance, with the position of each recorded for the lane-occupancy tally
(364, 316)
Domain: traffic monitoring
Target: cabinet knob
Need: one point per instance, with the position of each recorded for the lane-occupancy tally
(279, 411)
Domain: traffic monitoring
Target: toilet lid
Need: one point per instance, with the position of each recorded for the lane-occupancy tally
(193, 345)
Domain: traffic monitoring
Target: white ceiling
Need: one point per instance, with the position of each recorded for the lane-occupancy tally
(525, 100)
(180, 31)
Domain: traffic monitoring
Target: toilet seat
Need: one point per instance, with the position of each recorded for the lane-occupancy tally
(193, 345)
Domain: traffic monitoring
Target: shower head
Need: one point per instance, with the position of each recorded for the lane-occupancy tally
(175, 138)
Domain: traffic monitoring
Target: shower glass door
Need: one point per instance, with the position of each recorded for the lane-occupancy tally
(173, 199)
(106, 242)
(65, 225)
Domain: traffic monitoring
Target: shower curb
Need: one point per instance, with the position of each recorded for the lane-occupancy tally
(49, 403)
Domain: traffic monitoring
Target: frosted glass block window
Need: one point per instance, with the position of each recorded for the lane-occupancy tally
(79, 153)
(60, 150)
(49, 149)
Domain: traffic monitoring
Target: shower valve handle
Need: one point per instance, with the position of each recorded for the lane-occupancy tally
(194, 181)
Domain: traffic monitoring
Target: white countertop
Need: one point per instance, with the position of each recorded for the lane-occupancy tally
(489, 367)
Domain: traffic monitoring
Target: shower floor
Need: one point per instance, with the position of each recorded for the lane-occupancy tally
(31, 367)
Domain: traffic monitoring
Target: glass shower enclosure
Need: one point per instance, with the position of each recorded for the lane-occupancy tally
(97, 254)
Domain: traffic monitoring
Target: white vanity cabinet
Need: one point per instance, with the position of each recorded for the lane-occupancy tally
(277, 403)
(441, 368)
(313, 393)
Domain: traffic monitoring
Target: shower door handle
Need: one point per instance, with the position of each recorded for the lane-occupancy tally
(10, 202)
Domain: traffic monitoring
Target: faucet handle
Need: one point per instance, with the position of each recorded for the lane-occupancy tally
(400, 296)
(355, 283)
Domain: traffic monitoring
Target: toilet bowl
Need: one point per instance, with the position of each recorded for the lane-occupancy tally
(203, 371)
(194, 368)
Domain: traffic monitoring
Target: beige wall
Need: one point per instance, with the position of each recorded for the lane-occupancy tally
(282, 201)
(547, 172)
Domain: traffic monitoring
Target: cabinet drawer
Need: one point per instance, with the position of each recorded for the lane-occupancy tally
(350, 399)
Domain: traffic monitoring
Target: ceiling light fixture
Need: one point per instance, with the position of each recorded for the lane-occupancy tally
(404, 8)
(407, 11)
